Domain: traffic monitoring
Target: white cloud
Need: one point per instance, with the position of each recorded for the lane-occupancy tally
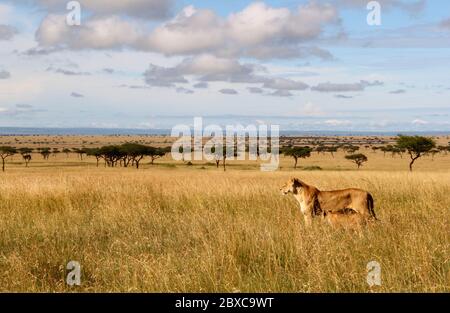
(53, 30)
(257, 24)
(191, 31)
(98, 33)
(257, 31)
(149, 9)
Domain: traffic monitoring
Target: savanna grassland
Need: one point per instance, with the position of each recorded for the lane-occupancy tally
(171, 227)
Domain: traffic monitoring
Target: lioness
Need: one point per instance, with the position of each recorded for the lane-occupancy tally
(316, 203)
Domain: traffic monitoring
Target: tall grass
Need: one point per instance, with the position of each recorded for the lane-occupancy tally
(207, 231)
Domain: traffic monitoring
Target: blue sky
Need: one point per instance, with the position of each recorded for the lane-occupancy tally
(306, 65)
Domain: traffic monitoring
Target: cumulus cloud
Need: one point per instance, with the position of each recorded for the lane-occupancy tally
(163, 76)
(4, 74)
(345, 87)
(7, 32)
(148, 9)
(259, 23)
(203, 29)
(110, 32)
(258, 31)
(205, 68)
(228, 91)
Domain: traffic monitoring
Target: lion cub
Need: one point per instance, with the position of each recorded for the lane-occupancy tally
(346, 218)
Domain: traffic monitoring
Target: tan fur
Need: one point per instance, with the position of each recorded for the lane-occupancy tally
(347, 219)
(338, 206)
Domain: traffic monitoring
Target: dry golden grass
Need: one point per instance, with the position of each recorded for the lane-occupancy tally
(192, 229)
(173, 227)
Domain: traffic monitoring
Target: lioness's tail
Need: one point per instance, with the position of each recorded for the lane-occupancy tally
(370, 206)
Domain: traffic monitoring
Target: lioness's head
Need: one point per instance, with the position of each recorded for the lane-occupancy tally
(293, 185)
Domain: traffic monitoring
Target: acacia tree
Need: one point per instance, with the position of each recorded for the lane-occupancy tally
(332, 150)
(66, 151)
(111, 154)
(55, 151)
(26, 155)
(416, 146)
(352, 149)
(358, 159)
(156, 153)
(6, 152)
(321, 149)
(134, 153)
(80, 152)
(45, 152)
(95, 152)
(297, 152)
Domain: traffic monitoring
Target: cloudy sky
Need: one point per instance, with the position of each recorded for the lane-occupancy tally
(306, 65)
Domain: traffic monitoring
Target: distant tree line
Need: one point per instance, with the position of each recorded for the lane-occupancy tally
(414, 146)
(131, 154)
(128, 154)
